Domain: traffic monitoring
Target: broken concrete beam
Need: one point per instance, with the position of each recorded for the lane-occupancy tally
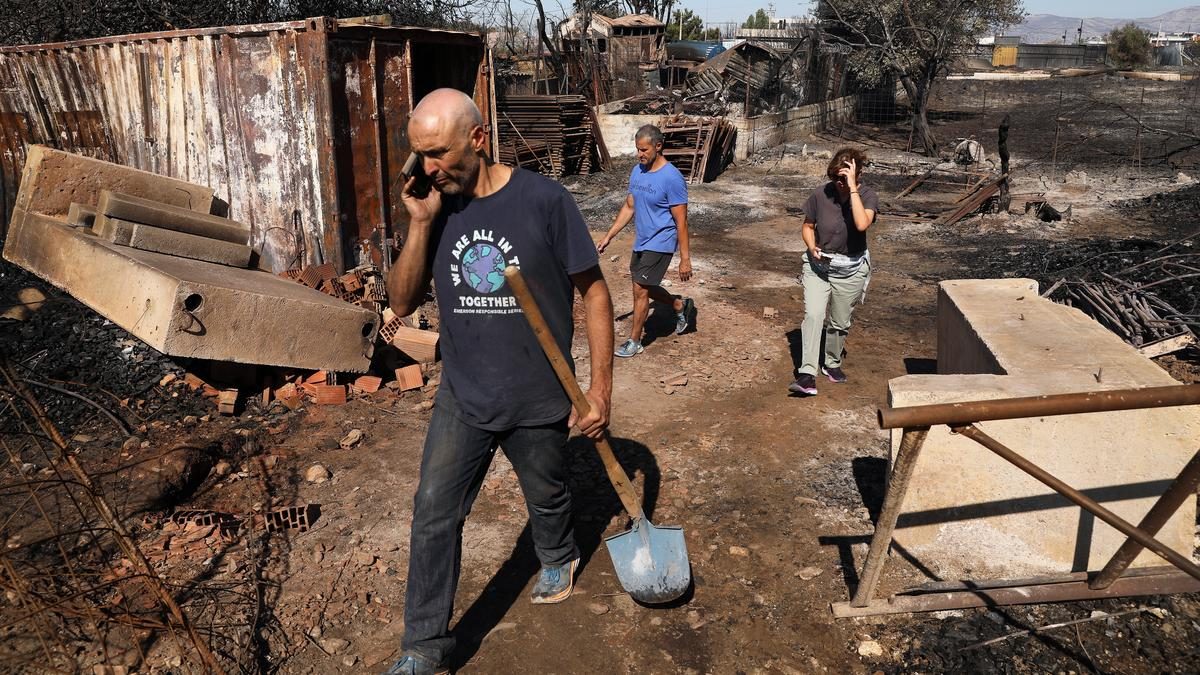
(410, 377)
(329, 394)
(194, 309)
(419, 345)
(52, 180)
(81, 215)
(180, 244)
(149, 212)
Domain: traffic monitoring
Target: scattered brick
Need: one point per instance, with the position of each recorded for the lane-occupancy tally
(227, 401)
(368, 384)
(410, 377)
(330, 394)
(419, 345)
(167, 379)
(679, 379)
(319, 377)
(390, 327)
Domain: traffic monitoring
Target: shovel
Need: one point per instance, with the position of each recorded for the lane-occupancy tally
(651, 562)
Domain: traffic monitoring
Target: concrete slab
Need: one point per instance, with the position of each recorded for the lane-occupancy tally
(196, 309)
(53, 179)
(136, 210)
(971, 514)
(184, 245)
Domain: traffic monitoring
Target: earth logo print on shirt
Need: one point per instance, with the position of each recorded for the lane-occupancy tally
(482, 259)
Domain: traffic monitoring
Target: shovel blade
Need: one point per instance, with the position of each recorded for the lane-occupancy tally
(651, 562)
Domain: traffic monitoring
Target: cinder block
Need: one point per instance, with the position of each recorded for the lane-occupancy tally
(81, 215)
(410, 377)
(969, 513)
(149, 212)
(419, 345)
(149, 238)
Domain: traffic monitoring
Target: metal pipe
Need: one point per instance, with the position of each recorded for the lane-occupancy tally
(1183, 488)
(1080, 499)
(902, 468)
(1159, 584)
(1038, 406)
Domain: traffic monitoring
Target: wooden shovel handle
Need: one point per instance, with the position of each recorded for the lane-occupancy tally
(533, 314)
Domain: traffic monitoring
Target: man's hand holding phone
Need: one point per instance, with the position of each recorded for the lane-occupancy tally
(420, 199)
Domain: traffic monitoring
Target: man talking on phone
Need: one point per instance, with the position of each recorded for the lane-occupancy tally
(469, 218)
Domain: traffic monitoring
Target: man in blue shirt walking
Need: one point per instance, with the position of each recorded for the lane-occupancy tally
(657, 203)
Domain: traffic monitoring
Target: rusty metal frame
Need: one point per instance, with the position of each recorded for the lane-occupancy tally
(1112, 581)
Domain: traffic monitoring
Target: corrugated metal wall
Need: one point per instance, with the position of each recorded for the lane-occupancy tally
(1060, 56)
(299, 127)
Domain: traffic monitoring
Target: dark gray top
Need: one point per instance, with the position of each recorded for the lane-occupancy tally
(834, 221)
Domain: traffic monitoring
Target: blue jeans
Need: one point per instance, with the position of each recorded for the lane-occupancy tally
(455, 462)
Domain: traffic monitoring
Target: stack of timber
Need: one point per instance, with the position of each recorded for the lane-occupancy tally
(1138, 316)
(553, 135)
(700, 147)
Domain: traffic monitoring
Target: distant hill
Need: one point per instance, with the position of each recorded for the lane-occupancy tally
(1050, 28)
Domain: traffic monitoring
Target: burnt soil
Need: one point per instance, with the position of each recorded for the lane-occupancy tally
(764, 484)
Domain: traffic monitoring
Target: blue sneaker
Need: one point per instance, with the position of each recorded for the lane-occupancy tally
(629, 348)
(554, 584)
(411, 664)
(683, 318)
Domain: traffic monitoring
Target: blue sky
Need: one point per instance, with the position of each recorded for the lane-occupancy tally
(718, 11)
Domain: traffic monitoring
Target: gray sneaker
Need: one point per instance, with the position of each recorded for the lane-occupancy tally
(683, 318)
(554, 584)
(411, 664)
(629, 348)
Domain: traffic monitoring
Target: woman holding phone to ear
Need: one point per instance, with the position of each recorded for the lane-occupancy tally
(837, 266)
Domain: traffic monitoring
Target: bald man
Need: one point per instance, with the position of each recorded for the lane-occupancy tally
(498, 389)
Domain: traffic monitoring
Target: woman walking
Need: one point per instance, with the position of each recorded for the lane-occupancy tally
(837, 266)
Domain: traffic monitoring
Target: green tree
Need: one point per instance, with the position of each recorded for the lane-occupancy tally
(758, 19)
(913, 41)
(1129, 46)
(693, 27)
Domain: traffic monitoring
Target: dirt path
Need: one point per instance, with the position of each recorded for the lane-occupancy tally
(776, 494)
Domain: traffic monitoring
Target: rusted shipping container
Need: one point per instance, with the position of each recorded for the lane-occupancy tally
(299, 127)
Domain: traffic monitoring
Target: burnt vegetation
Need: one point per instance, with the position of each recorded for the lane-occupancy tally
(38, 21)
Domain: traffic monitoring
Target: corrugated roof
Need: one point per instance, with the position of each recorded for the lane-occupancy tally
(632, 20)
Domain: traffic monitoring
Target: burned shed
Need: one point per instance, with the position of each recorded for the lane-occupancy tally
(299, 127)
(619, 55)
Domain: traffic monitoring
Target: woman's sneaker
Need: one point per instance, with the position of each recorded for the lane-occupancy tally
(805, 384)
(834, 374)
(629, 348)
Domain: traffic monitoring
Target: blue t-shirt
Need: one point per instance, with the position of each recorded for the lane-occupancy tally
(491, 362)
(654, 193)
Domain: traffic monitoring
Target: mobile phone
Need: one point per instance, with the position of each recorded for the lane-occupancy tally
(414, 167)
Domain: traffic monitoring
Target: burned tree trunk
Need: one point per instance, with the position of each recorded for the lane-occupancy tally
(1003, 196)
(918, 98)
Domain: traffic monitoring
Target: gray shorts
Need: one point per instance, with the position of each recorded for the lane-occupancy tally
(647, 268)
